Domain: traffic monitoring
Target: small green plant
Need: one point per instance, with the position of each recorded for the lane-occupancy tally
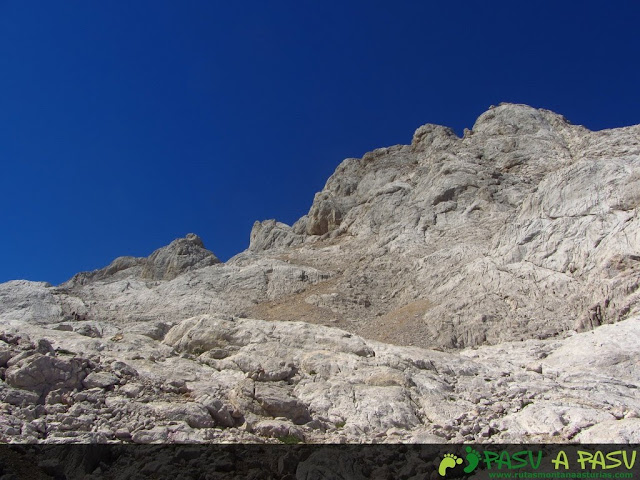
(289, 439)
(199, 350)
(62, 351)
(341, 424)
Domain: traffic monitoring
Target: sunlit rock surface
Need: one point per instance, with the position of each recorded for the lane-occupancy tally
(482, 288)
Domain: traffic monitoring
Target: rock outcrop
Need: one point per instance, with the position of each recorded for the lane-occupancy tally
(434, 292)
(166, 263)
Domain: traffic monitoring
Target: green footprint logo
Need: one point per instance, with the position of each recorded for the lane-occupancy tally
(473, 458)
(449, 461)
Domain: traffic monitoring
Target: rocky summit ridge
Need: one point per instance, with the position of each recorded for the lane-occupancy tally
(482, 288)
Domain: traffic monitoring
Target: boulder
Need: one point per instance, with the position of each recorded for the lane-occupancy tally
(40, 373)
(100, 379)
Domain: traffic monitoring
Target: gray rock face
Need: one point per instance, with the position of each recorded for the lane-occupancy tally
(271, 234)
(325, 215)
(180, 256)
(28, 301)
(495, 248)
(39, 373)
(166, 263)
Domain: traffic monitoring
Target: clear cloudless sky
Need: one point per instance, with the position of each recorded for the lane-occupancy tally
(127, 124)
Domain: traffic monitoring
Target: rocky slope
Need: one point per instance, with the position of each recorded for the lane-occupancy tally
(433, 293)
(225, 379)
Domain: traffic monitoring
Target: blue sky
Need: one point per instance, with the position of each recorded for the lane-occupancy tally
(124, 125)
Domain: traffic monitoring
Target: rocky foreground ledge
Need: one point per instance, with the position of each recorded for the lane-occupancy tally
(225, 379)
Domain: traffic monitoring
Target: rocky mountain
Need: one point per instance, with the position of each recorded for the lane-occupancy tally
(482, 288)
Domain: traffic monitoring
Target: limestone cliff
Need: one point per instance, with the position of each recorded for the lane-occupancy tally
(497, 247)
